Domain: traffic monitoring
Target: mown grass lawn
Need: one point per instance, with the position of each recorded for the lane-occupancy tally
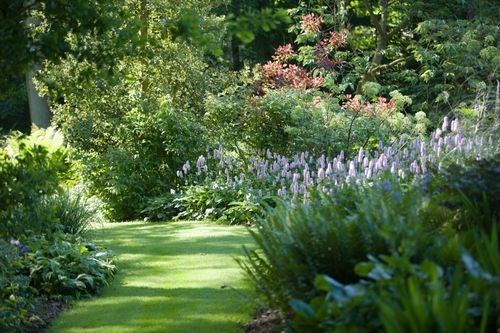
(174, 277)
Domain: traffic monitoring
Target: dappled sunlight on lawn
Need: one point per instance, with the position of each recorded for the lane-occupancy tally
(174, 277)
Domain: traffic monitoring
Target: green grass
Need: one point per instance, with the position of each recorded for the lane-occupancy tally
(170, 280)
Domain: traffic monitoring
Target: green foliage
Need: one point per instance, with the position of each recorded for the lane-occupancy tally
(36, 267)
(287, 122)
(141, 161)
(206, 202)
(69, 212)
(133, 126)
(16, 301)
(161, 208)
(440, 53)
(41, 261)
(471, 191)
(267, 19)
(396, 295)
(40, 30)
(30, 168)
(328, 237)
(221, 203)
(458, 61)
(33, 170)
(68, 266)
(14, 113)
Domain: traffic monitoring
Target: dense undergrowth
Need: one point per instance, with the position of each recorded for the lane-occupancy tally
(45, 256)
(394, 257)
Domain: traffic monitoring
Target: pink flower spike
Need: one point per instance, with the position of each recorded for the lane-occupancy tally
(444, 128)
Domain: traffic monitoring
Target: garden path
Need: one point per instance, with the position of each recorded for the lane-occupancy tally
(174, 277)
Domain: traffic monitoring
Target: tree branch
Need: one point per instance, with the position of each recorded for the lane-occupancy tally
(393, 63)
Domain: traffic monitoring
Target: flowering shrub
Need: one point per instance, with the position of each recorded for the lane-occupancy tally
(279, 74)
(319, 58)
(393, 255)
(311, 23)
(356, 105)
(220, 182)
(289, 121)
(295, 177)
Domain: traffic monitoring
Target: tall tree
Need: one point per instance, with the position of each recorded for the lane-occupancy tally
(32, 31)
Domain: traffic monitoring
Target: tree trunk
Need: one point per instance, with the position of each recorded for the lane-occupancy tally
(39, 108)
(235, 54)
(382, 42)
(144, 15)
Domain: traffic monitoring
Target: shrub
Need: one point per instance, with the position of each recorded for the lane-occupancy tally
(288, 121)
(222, 203)
(206, 203)
(326, 237)
(136, 121)
(16, 294)
(30, 168)
(294, 177)
(471, 191)
(142, 161)
(70, 211)
(161, 208)
(465, 48)
(419, 237)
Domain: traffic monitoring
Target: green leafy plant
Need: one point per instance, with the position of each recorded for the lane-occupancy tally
(288, 121)
(327, 237)
(67, 266)
(30, 168)
(221, 203)
(397, 295)
(16, 294)
(142, 161)
(70, 211)
(36, 268)
(469, 190)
